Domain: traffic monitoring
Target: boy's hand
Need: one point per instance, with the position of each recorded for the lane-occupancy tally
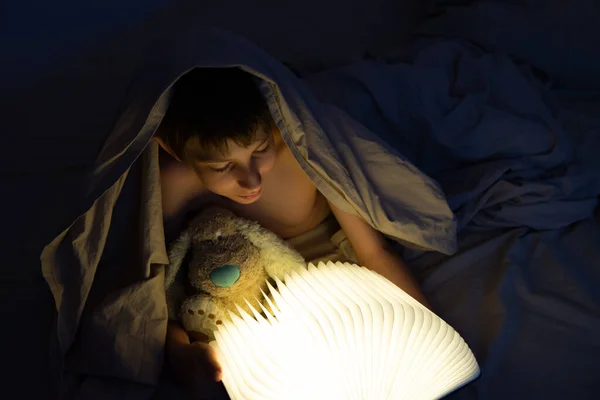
(197, 367)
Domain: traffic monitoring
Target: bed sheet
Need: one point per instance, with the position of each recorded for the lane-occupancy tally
(528, 304)
(520, 169)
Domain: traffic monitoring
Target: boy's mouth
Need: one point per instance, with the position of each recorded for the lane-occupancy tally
(252, 196)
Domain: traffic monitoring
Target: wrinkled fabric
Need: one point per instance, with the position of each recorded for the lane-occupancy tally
(385, 142)
(484, 127)
(325, 242)
(109, 281)
(105, 270)
(522, 173)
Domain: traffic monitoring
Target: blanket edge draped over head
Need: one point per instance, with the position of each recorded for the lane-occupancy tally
(355, 170)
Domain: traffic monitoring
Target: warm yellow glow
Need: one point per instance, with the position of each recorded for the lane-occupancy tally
(340, 331)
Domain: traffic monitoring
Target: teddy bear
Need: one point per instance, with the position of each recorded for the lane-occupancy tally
(229, 261)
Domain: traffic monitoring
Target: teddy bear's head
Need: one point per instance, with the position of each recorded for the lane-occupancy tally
(222, 259)
(229, 261)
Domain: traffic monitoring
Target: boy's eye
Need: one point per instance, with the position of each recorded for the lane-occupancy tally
(222, 169)
(264, 149)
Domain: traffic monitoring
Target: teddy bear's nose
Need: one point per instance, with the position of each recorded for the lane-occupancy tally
(225, 275)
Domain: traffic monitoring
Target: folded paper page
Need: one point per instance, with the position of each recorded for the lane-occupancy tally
(340, 331)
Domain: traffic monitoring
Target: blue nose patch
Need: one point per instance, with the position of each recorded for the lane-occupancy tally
(225, 276)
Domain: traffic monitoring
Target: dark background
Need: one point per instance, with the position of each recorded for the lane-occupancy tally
(39, 40)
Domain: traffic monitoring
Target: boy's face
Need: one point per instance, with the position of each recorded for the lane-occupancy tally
(239, 174)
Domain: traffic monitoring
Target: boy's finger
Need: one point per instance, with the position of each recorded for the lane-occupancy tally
(213, 370)
(212, 366)
(218, 376)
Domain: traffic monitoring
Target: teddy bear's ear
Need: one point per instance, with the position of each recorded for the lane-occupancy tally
(177, 253)
(279, 258)
(210, 214)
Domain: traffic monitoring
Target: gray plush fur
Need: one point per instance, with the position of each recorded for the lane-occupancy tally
(214, 238)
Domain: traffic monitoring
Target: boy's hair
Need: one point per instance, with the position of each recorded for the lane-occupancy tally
(209, 106)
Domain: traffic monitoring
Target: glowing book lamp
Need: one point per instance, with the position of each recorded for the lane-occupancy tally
(339, 331)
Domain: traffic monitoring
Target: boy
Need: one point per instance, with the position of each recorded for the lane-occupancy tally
(222, 146)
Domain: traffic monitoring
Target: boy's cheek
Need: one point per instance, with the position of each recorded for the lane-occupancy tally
(267, 163)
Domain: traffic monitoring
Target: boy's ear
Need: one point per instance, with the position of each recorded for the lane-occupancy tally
(166, 148)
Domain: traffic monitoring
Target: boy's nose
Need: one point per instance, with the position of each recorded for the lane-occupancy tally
(250, 179)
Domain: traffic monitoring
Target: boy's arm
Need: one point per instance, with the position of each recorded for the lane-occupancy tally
(176, 335)
(374, 252)
(195, 363)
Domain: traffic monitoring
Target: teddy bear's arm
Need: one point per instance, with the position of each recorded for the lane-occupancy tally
(200, 313)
